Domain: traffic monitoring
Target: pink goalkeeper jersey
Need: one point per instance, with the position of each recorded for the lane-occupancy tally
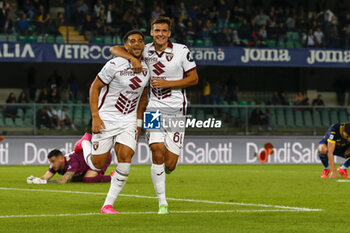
(171, 64)
(118, 100)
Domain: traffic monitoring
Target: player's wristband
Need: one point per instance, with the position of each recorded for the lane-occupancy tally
(139, 122)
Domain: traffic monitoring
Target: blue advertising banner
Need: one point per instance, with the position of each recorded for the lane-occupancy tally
(208, 56)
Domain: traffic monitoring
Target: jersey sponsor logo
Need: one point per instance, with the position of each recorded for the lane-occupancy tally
(127, 72)
(151, 119)
(135, 83)
(125, 105)
(169, 56)
(95, 145)
(158, 68)
(161, 93)
(151, 59)
(189, 57)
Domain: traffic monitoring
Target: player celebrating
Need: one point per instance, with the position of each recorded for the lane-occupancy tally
(335, 142)
(114, 98)
(72, 166)
(172, 69)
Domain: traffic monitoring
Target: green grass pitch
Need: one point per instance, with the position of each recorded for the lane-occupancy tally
(202, 198)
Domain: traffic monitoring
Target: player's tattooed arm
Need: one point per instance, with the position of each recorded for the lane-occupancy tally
(190, 79)
(120, 51)
(47, 175)
(67, 177)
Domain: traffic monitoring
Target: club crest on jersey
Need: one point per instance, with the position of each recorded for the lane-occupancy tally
(169, 56)
(144, 71)
(95, 145)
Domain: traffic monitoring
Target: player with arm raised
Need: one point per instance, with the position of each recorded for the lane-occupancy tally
(114, 98)
(172, 70)
(336, 142)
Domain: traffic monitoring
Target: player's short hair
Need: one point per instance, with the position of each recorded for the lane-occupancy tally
(132, 32)
(162, 19)
(347, 128)
(55, 153)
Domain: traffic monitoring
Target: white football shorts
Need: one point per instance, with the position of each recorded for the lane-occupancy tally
(123, 133)
(171, 134)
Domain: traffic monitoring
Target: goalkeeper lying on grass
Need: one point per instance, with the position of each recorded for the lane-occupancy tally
(72, 166)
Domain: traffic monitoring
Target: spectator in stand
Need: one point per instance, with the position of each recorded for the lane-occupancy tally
(218, 91)
(98, 7)
(23, 99)
(237, 15)
(23, 25)
(281, 32)
(231, 91)
(54, 24)
(346, 31)
(283, 98)
(309, 39)
(7, 27)
(257, 117)
(43, 119)
(54, 97)
(291, 22)
(182, 11)
(28, 8)
(52, 112)
(101, 23)
(206, 94)
(11, 110)
(223, 14)
(158, 11)
(78, 18)
(43, 96)
(110, 19)
(89, 28)
(318, 101)
(262, 34)
(331, 33)
(192, 12)
(64, 118)
(244, 32)
(180, 32)
(261, 18)
(190, 30)
(275, 99)
(319, 37)
(42, 20)
(298, 98)
(82, 5)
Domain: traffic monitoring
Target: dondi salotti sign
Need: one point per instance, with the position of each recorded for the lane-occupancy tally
(211, 56)
(196, 150)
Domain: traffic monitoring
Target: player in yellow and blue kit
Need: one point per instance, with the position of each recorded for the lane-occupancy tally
(335, 142)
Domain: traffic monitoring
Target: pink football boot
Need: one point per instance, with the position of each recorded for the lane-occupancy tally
(77, 147)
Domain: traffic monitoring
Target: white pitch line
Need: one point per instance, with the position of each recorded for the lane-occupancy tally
(169, 198)
(343, 181)
(134, 213)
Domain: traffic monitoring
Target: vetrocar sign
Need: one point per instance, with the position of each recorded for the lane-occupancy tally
(210, 56)
(196, 150)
